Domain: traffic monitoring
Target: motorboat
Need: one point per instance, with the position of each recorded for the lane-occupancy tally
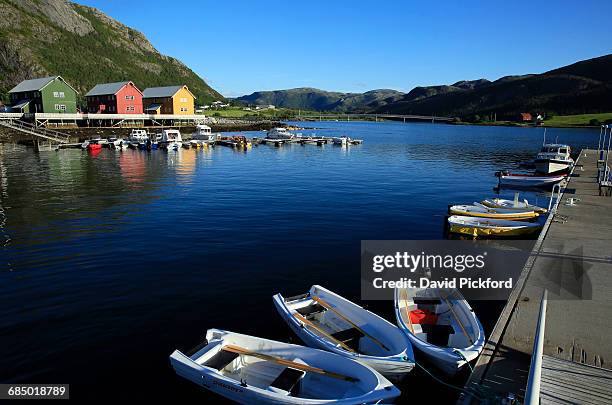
(325, 320)
(441, 325)
(202, 135)
(341, 141)
(554, 158)
(252, 370)
(474, 226)
(279, 133)
(117, 143)
(170, 139)
(138, 135)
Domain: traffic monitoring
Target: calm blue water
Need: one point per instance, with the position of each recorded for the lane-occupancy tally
(111, 261)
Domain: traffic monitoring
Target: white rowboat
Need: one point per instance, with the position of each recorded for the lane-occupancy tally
(528, 180)
(479, 210)
(251, 370)
(328, 321)
(441, 325)
(501, 203)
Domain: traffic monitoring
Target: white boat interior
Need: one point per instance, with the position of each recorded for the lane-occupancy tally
(282, 369)
(435, 316)
(345, 324)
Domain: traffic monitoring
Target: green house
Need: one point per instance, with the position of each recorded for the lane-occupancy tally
(45, 95)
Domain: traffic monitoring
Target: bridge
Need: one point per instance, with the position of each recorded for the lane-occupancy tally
(374, 117)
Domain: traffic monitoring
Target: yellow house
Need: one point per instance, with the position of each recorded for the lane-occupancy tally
(177, 100)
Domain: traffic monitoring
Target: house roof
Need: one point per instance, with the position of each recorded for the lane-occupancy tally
(36, 84)
(168, 91)
(108, 88)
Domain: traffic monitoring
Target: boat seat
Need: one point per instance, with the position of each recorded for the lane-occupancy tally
(427, 301)
(438, 334)
(220, 360)
(288, 380)
(349, 337)
(311, 310)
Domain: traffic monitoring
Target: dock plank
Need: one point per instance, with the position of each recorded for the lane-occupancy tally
(574, 263)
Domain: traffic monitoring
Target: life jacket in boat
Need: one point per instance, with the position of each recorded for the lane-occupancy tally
(423, 316)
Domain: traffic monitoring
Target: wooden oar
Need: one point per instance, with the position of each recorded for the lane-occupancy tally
(456, 318)
(326, 305)
(408, 312)
(287, 363)
(321, 331)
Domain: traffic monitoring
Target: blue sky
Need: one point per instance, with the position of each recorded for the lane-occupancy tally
(243, 46)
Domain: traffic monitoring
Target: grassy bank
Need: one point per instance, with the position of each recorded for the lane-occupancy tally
(578, 120)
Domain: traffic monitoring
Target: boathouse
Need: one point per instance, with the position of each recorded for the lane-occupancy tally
(114, 98)
(44, 95)
(177, 100)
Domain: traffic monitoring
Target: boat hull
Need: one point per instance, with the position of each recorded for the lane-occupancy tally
(529, 181)
(490, 227)
(550, 166)
(378, 388)
(446, 358)
(394, 367)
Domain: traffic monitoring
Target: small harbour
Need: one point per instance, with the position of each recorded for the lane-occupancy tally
(117, 258)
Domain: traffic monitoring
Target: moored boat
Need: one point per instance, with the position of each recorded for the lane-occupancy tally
(440, 324)
(328, 321)
(502, 203)
(170, 139)
(474, 226)
(249, 370)
(480, 210)
(528, 180)
(553, 158)
(279, 133)
(138, 135)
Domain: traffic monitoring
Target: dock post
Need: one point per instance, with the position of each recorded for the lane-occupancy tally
(532, 393)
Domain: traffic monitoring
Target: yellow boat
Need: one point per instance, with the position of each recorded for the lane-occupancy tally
(491, 227)
(479, 210)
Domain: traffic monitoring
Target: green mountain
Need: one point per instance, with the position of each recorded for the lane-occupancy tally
(85, 47)
(314, 99)
(581, 88)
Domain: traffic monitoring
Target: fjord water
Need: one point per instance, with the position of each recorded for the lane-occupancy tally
(110, 261)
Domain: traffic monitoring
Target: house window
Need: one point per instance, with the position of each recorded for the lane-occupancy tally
(56, 94)
(130, 108)
(183, 99)
(129, 97)
(60, 107)
(184, 109)
(61, 94)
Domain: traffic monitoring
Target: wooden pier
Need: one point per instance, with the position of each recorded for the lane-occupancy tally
(572, 260)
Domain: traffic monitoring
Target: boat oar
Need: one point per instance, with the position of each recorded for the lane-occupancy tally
(408, 312)
(328, 306)
(321, 331)
(457, 318)
(287, 363)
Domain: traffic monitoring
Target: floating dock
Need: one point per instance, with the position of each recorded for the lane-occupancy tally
(572, 261)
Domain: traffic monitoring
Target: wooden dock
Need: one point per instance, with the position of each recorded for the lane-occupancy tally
(572, 260)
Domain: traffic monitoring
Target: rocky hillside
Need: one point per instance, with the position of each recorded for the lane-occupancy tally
(85, 46)
(580, 88)
(320, 100)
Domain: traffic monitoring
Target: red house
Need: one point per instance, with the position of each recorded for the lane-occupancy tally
(114, 98)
